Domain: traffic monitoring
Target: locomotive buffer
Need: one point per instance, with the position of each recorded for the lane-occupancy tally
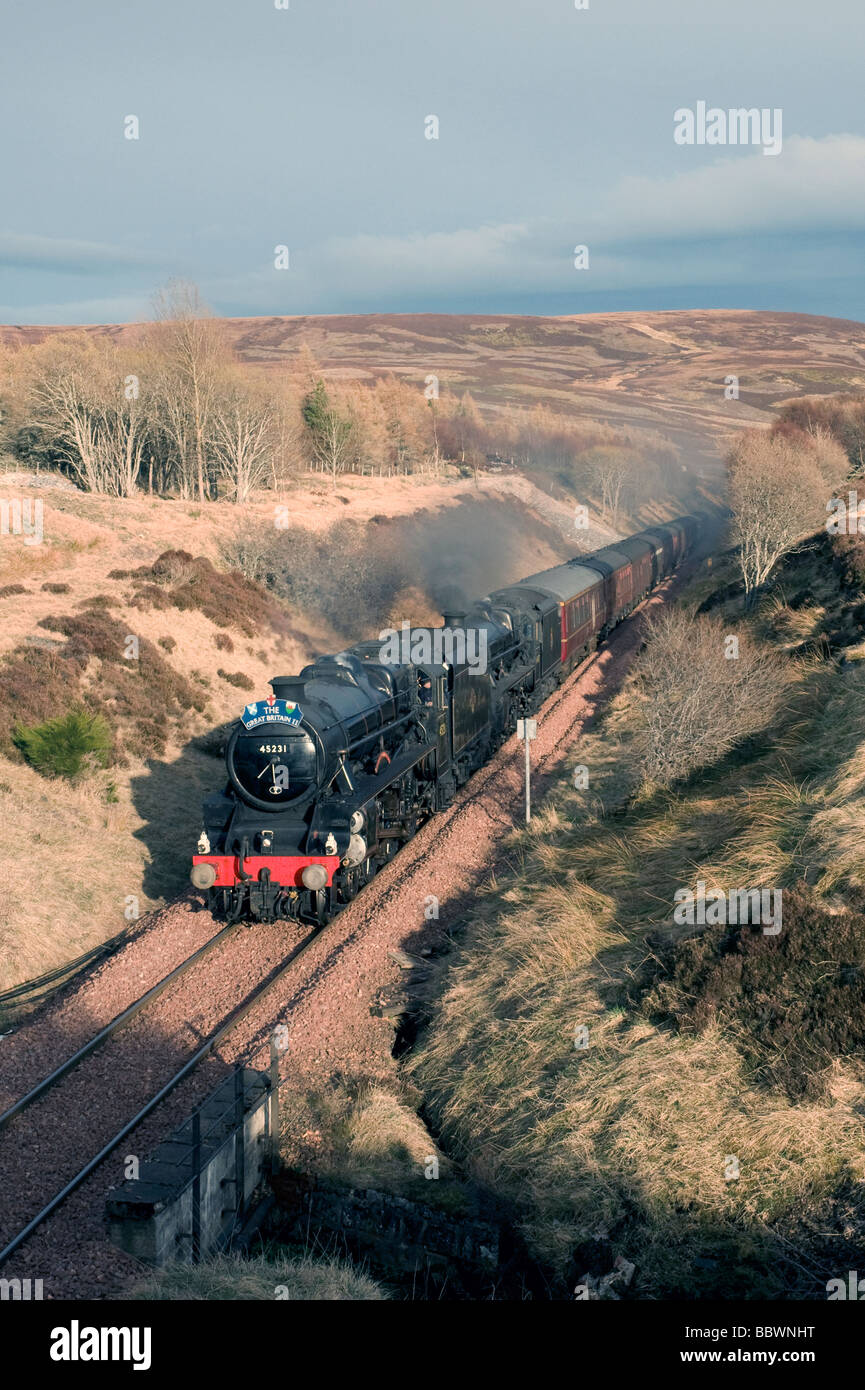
(527, 729)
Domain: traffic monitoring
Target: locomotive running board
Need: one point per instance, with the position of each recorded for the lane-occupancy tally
(366, 787)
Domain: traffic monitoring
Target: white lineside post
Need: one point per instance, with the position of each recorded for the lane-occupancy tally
(527, 729)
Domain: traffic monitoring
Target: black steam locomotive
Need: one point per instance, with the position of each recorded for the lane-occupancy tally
(334, 771)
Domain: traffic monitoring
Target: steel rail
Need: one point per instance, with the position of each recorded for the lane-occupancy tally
(70, 1063)
(56, 976)
(231, 1022)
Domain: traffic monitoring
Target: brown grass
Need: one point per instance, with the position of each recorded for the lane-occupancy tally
(301, 1279)
(622, 1147)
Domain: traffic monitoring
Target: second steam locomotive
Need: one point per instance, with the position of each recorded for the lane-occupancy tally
(331, 774)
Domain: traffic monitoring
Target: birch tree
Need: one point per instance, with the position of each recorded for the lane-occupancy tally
(777, 496)
(194, 352)
(243, 436)
(699, 695)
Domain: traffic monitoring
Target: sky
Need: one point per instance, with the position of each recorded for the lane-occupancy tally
(306, 128)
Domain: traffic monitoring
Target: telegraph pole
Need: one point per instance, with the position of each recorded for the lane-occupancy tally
(527, 729)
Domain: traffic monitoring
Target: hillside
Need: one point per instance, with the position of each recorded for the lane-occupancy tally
(663, 372)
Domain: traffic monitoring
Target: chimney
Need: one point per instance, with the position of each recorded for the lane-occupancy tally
(289, 688)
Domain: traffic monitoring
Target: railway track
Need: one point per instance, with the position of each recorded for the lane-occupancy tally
(35, 992)
(56, 1076)
(50, 1082)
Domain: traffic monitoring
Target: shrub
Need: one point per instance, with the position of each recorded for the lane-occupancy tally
(237, 678)
(174, 566)
(223, 642)
(697, 703)
(150, 596)
(66, 746)
(9, 590)
(179, 580)
(316, 573)
(793, 1002)
(56, 588)
(148, 692)
(849, 554)
(251, 550)
(168, 644)
(34, 683)
(98, 601)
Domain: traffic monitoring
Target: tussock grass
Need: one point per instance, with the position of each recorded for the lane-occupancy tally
(623, 1146)
(368, 1137)
(299, 1280)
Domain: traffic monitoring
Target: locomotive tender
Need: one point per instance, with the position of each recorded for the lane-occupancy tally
(336, 769)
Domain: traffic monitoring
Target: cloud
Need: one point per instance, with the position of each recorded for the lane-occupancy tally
(736, 220)
(813, 185)
(434, 260)
(31, 252)
(642, 231)
(122, 309)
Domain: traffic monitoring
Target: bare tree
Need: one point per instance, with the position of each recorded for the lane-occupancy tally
(702, 690)
(243, 436)
(468, 423)
(86, 406)
(610, 470)
(777, 496)
(286, 459)
(126, 433)
(194, 351)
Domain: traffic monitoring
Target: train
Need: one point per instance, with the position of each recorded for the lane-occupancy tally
(335, 770)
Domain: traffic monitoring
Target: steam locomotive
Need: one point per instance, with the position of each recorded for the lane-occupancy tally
(336, 769)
